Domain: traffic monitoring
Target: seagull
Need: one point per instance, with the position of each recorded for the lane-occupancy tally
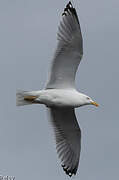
(60, 95)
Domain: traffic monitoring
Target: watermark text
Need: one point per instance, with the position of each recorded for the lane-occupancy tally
(7, 177)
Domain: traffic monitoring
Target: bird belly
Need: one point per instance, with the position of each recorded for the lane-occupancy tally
(59, 98)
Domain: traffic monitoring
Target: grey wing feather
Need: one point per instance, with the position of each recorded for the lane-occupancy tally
(68, 53)
(68, 138)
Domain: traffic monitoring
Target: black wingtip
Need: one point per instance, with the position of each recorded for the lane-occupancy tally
(69, 8)
(69, 172)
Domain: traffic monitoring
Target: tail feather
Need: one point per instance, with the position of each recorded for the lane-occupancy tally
(21, 99)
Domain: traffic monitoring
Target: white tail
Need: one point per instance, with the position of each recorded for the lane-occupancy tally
(20, 98)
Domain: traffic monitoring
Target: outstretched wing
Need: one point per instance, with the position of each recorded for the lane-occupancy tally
(68, 138)
(69, 51)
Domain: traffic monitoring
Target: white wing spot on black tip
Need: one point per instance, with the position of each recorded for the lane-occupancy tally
(64, 14)
(69, 4)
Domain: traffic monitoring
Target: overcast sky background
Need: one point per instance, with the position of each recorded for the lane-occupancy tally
(27, 42)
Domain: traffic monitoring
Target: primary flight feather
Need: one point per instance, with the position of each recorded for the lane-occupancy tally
(60, 95)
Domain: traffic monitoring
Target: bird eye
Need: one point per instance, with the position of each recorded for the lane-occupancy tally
(88, 98)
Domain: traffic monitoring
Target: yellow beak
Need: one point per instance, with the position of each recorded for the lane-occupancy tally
(95, 104)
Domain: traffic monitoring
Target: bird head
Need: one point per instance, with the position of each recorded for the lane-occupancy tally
(89, 101)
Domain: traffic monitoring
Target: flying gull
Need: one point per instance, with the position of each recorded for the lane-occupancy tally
(60, 95)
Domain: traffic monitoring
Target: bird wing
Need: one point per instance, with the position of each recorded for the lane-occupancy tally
(68, 53)
(68, 138)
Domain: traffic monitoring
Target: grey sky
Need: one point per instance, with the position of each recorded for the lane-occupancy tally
(27, 42)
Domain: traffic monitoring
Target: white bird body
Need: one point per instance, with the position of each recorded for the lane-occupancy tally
(60, 95)
(59, 98)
